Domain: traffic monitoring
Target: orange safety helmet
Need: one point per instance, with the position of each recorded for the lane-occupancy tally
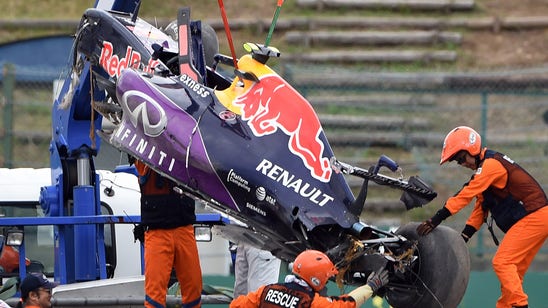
(459, 139)
(315, 268)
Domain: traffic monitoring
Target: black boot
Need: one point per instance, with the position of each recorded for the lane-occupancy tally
(526, 306)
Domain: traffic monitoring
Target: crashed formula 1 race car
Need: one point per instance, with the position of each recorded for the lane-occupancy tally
(250, 146)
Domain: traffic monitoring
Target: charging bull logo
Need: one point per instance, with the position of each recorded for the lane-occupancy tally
(271, 104)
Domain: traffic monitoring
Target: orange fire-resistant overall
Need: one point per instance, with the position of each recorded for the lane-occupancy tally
(504, 180)
(169, 240)
(290, 295)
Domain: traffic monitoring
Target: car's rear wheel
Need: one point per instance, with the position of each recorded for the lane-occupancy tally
(439, 275)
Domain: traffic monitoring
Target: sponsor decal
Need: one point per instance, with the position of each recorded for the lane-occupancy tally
(271, 104)
(114, 65)
(128, 137)
(238, 180)
(227, 115)
(293, 183)
(478, 171)
(193, 85)
(261, 195)
(141, 109)
(255, 209)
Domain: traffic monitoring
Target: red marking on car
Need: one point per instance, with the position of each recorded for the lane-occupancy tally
(114, 65)
(227, 115)
(273, 104)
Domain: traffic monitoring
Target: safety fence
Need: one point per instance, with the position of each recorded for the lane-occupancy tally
(364, 114)
(25, 113)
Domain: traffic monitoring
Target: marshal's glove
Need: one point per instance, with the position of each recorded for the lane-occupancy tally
(430, 224)
(426, 227)
(375, 281)
(468, 232)
(378, 279)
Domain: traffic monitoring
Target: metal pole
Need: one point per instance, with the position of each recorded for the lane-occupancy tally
(274, 21)
(484, 105)
(7, 102)
(483, 132)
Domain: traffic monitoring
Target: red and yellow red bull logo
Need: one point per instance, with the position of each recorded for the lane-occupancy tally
(271, 105)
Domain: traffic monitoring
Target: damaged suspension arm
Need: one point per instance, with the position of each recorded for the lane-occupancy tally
(416, 191)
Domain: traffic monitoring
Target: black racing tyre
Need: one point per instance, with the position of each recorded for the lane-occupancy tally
(439, 275)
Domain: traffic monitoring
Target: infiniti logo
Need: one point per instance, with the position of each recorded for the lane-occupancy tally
(137, 105)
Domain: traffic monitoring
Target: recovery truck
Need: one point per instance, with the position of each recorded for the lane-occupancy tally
(21, 213)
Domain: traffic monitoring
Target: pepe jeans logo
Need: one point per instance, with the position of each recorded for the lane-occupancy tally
(139, 107)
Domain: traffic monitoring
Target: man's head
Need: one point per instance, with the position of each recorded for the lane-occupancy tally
(460, 141)
(315, 268)
(36, 290)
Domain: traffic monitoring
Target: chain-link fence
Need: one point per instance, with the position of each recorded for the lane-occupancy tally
(364, 114)
(25, 112)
